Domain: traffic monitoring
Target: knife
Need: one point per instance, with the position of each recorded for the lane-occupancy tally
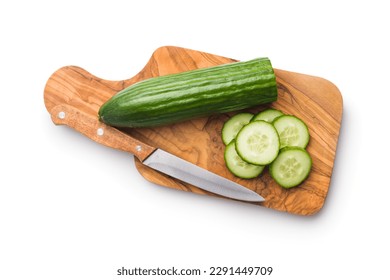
(155, 158)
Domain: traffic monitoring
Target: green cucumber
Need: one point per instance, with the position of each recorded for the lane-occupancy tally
(267, 115)
(291, 167)
(238, 166)
(258, 143)
(202, 92)
(292, 131)
(270, 137)
(233, 125)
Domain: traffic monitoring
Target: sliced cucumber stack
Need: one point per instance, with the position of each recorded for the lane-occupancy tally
(258, 143)
(233, 126)
(238, 166)
(267, 115)
(291, 167)
(292, 131)
(267, 138)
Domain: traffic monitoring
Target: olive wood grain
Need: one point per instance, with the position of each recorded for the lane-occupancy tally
(315, 100)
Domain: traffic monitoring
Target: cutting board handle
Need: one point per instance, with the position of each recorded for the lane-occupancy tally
(98, 131)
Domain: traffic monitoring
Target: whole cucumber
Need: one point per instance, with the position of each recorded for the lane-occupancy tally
(192, 94)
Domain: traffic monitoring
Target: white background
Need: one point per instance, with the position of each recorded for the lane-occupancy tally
(72, 209)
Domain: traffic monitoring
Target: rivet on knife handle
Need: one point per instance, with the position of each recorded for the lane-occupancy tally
(99, 132)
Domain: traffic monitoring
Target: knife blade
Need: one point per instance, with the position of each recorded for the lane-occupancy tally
(155, 158)
(190, 173)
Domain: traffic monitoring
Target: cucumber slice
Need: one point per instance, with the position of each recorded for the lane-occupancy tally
(291, 167)
(267, 115)
(238, 166)
(292, 131)
(233, 126)
(258, 143)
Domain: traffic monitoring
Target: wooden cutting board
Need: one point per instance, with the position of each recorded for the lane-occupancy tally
(72, 91)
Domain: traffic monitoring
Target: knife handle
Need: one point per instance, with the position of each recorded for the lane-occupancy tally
(99, 132)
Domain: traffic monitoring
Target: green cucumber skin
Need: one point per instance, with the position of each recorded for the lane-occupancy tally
(298, 120)
(192, 94)
(260, 168)
(271, 167)
(258, 162)
(260, 116)
(226, 137)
